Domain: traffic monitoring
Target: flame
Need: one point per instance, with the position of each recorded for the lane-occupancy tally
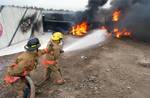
(117, 32)
(80, 29)
(116, 15)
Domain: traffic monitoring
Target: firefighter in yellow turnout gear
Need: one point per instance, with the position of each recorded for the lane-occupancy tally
(23, 65)
(53, 71)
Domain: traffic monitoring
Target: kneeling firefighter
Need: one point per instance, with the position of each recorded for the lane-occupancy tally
(23, 65)
(53, 71)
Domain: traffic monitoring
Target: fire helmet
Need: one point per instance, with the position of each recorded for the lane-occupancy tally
(57, 36)
(33, 44)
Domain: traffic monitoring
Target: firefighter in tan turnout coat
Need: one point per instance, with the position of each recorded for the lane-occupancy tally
(23, 65)
(53, 71)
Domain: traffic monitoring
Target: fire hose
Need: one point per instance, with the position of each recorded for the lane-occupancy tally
(30, 82)
(32, 87)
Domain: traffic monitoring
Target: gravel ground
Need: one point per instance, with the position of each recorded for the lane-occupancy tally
(118, 69)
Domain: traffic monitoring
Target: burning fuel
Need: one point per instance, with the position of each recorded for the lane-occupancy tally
(116, 15)
(79, 29)
(119, 33)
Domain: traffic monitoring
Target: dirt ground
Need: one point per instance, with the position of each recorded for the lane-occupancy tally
(118, 69)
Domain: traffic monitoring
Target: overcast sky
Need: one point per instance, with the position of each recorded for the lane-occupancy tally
(56, 4)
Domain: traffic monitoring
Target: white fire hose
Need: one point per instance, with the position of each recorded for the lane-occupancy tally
(32, 87)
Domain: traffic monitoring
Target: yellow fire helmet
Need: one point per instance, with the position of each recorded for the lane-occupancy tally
(56, 36)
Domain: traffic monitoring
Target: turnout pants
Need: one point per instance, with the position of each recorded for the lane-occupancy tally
(53, 72)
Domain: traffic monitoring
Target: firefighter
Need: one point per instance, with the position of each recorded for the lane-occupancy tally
(23, 65)
(53, 71)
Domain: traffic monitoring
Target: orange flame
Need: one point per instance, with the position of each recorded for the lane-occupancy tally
(116, 15)
(119, 34)
(80, 29)
(124, 32)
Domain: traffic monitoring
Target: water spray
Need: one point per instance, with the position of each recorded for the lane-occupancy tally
(95, 37)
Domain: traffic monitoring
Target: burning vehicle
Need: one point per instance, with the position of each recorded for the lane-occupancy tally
(65, 21)
(58, 21)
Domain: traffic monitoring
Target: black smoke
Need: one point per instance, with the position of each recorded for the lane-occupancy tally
(90, 15)
(135, 17)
